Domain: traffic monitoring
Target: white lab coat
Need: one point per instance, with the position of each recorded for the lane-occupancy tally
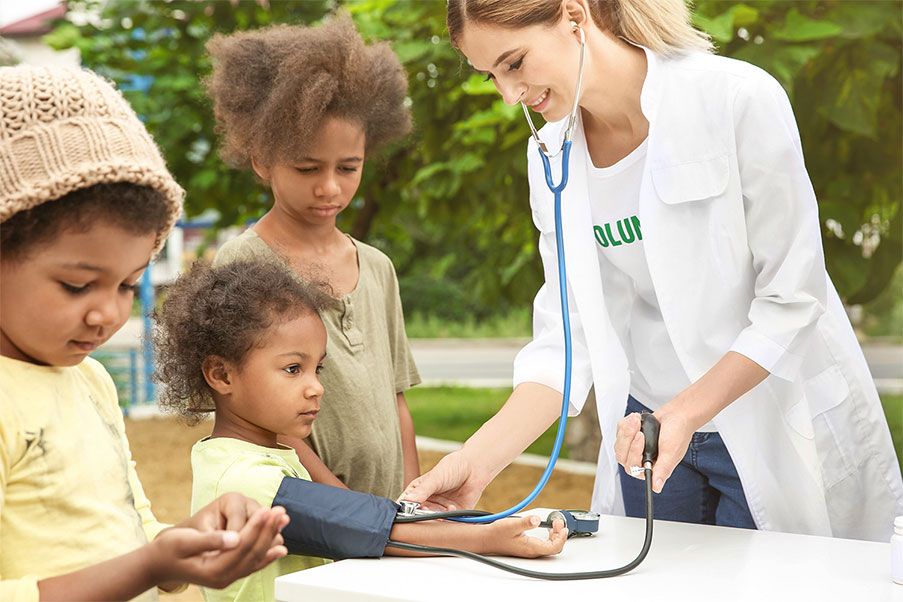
(732, 238)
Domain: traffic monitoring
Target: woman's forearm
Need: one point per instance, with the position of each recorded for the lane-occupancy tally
(527, 414)
(730, 378)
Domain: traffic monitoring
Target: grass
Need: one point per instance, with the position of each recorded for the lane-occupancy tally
(454, 413)
(514, 324)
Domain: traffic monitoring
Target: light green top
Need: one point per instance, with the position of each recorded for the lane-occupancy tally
(224, 465)
(368, 361)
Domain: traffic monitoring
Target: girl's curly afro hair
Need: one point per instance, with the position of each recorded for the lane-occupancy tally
(221, 311)
(272, 89)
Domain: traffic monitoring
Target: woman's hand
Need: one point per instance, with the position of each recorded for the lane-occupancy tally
(727, 380)
(674, 438)
(507, 537)
(458, 480)
(214, 557)
(451, 485)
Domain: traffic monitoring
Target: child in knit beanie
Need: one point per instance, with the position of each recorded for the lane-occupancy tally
(85, 202)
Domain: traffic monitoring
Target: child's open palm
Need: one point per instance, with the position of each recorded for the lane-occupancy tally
(226, 540)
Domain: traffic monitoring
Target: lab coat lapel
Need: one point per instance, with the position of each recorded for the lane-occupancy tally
(585, 278)
(580, 253)
(611, 380)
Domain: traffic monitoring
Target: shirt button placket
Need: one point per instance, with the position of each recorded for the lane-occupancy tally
(348, 315)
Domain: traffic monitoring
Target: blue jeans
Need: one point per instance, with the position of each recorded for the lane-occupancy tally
(704, 488)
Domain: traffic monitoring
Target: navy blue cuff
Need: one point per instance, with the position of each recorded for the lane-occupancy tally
(331, 522)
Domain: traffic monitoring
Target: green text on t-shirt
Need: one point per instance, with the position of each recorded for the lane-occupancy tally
(628, 231)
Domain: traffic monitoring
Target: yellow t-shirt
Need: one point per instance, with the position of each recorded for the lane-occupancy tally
(69, 494)
(223, 465)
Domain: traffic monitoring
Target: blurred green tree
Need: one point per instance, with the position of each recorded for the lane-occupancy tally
(450, 204)
(155, 52)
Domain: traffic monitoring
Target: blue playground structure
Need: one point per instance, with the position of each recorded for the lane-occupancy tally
(132, 365)
(132, 368)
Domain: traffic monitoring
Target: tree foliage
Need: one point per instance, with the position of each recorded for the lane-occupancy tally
(155, 52)
(840, 63)
(449, 205)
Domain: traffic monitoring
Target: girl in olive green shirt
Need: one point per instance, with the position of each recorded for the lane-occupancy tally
(302, 107)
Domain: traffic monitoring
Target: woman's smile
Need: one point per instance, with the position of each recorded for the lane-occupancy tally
(541, 102)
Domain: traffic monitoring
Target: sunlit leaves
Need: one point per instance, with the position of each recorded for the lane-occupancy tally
(800, 28)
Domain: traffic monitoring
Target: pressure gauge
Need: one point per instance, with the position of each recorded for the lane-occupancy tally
(580, 523)
(586, 523)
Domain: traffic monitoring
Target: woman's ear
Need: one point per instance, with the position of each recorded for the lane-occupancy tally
(216, 373)
(262, 171)
(576, 12)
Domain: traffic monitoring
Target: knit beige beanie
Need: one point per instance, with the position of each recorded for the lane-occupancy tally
(62, 129)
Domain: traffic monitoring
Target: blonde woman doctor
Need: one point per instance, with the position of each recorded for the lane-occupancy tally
(696, 278)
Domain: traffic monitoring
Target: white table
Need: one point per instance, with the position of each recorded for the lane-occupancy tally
(686, 562)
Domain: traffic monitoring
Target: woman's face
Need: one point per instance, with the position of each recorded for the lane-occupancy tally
(536, 65)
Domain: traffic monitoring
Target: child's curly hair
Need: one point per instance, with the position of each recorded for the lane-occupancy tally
(273, 88)
(221, 311)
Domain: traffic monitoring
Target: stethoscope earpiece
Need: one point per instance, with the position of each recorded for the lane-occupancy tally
(572, 118)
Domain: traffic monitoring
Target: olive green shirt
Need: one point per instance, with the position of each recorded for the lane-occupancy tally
(368, 361)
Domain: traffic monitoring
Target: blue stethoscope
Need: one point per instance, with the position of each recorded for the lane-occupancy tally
(556, 189)
(650, 425)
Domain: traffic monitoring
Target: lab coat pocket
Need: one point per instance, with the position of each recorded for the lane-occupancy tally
(693, 181)
(832, 415)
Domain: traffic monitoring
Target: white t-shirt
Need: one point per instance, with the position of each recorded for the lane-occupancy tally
(656, 373)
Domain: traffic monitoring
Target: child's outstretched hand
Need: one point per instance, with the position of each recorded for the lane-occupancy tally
(229, 512)
(202, 552)
(507, 537)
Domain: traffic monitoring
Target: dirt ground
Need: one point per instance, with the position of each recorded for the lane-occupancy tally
(161, 448)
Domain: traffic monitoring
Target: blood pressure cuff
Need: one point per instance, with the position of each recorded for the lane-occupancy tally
(335, 523)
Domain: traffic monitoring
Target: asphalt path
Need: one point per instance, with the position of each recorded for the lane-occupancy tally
(488, 362)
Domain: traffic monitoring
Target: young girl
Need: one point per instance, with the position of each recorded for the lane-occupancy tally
(85, 202)
(246, 338)
(303, 107)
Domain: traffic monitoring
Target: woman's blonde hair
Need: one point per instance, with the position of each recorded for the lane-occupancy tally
(663, 26)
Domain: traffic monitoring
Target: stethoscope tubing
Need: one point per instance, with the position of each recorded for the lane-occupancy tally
(556, 189)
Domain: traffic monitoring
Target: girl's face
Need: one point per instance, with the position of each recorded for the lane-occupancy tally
(62, 300)
(536, 65)
(317, 187)
(276, 390)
